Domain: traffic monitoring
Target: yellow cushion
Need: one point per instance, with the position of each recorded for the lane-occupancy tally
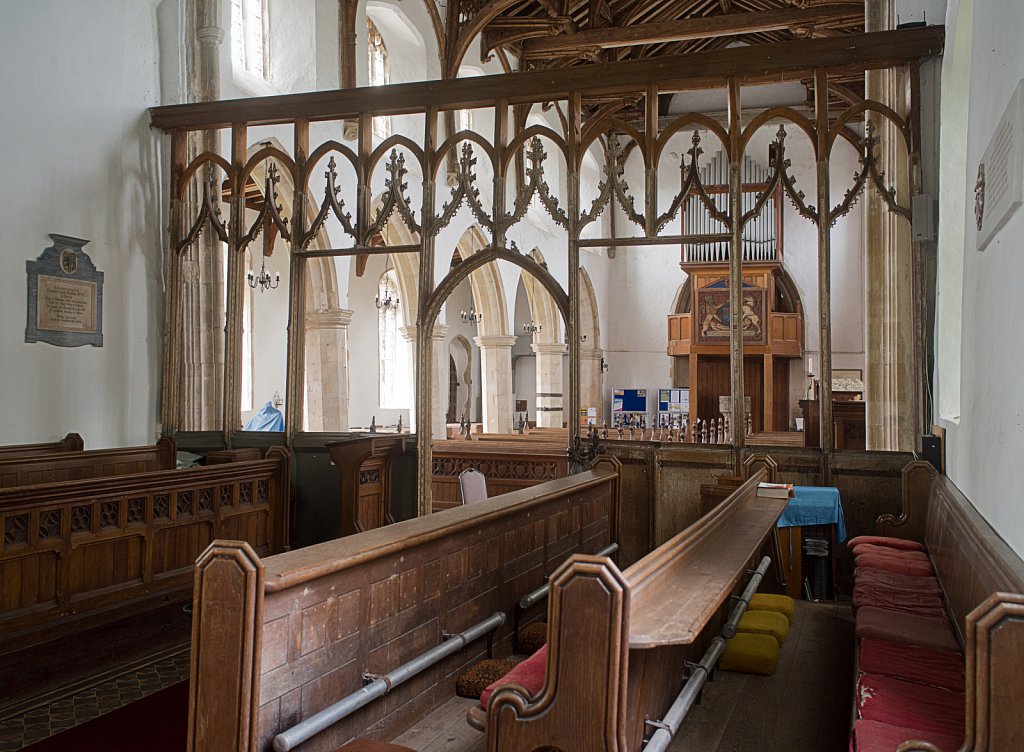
(769, 602)
(750, 654)
(765, 622)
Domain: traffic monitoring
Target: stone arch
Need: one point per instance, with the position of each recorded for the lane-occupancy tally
(461, 351)
(549, 347)
(591, 354)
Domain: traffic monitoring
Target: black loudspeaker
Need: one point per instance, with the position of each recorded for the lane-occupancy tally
(931, 451)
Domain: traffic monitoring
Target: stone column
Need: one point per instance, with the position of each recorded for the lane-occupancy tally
(591, 393)
(327, 369)
(409, 334)
(439, 400)
(549, 382)
(496, 375)
(889, 326)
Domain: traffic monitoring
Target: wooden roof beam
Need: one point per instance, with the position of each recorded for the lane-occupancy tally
(691, 28)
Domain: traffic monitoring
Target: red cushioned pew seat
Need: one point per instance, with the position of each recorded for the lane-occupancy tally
(529, 675)
(905, 601)
(896, 581)
(936, 668)
(867, 548)
(882, 540)
(909, 629)
(895, 564)
(872, 736)
(897, 702)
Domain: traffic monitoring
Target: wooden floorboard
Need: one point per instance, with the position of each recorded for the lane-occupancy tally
(804, 706)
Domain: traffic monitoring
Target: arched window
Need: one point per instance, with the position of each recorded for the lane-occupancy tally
(380, 73)
(388, 323)
(249, 36)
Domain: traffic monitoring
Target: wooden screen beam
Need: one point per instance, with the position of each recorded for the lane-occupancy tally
(689, 29)
(756, 64)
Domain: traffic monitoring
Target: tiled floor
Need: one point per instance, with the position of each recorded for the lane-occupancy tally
(22, 730)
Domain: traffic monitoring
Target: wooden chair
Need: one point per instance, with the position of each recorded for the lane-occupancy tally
(472, 486)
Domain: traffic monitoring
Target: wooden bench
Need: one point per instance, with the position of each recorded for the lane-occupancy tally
(277, 640)
(618, 641)
(80, 465)
(79, 553)
(982, 582)
(70, 443)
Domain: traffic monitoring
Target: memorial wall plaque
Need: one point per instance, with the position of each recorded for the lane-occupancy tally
(1000, 175)
(65, 296)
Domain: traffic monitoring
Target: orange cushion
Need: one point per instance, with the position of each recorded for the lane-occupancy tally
(529, 675)
(882, 540)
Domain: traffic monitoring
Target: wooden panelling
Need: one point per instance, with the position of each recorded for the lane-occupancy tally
(88, 551)
(508, 465)
(80, 465)
(781, 418)
(372, 601)
(70, 443)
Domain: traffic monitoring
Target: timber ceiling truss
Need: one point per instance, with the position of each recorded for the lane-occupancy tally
(196, 198)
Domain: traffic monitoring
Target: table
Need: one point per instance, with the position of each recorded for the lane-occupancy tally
(809, 506)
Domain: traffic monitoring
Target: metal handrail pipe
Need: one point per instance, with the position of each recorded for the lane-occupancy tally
(381, 685)
(729, 630)
(532, 598)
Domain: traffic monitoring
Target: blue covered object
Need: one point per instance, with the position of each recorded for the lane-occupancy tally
(267, 418)
(815, 505)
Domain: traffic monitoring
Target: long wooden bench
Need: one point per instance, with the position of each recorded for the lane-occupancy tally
(85, 552)
(277, 640)
(982, 583)
(70, 443)
(93, 463)
(618, 641)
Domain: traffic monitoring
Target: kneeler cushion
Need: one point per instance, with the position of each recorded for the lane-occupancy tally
(936, 668)
(765, 622)
(867, 548)
(882, 540)
(909, 629)
(769, 602)
(529, 675)
(895, 581)
(916, 706)
(872, 736)
(893, 564)
(907, 601)
(750, 654)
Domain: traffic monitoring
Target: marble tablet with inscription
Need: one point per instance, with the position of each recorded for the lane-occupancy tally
(65, 296)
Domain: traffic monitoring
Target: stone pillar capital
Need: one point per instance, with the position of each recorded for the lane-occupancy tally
(552, 348)
(409, 333)
(494, 341)
(595, 353)
(440, 331)
(330, 318)
(210, 36)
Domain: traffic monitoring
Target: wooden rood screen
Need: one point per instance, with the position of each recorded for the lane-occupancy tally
(81, 552)
(275, 641)
(336, 183)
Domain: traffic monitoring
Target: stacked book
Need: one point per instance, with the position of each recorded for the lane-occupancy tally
(775, 490)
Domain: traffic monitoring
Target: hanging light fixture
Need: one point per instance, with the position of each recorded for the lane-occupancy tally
(263, 280)
(387, 304)
(531, 328)
(471, 316)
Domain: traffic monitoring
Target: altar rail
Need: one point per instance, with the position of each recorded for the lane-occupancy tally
(618, 641)
(79, 553)
(70, 443)
(276, 641)
(81, 465)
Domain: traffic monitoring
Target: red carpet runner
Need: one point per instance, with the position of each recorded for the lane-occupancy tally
(156, 723)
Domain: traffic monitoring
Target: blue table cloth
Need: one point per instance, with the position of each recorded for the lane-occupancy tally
(815, 505)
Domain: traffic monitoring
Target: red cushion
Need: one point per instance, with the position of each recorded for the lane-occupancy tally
(915, 706)
(529, 675)
(872, 736)
(895, 581)
(867, 548)
(882, 540)
(894, 564)
(910, 629)
(907, 601)
(937, 668)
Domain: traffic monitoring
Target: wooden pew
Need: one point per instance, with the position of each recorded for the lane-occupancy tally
(983, 584)
(364, 470)
(70, 443)
(508, 465)
(277, 640)
(80, 465)
(617, 641)
(79, 553)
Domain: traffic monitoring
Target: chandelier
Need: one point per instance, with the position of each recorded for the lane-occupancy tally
(387, 304)
(531, 328)
(263, 280)
(471, 316)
